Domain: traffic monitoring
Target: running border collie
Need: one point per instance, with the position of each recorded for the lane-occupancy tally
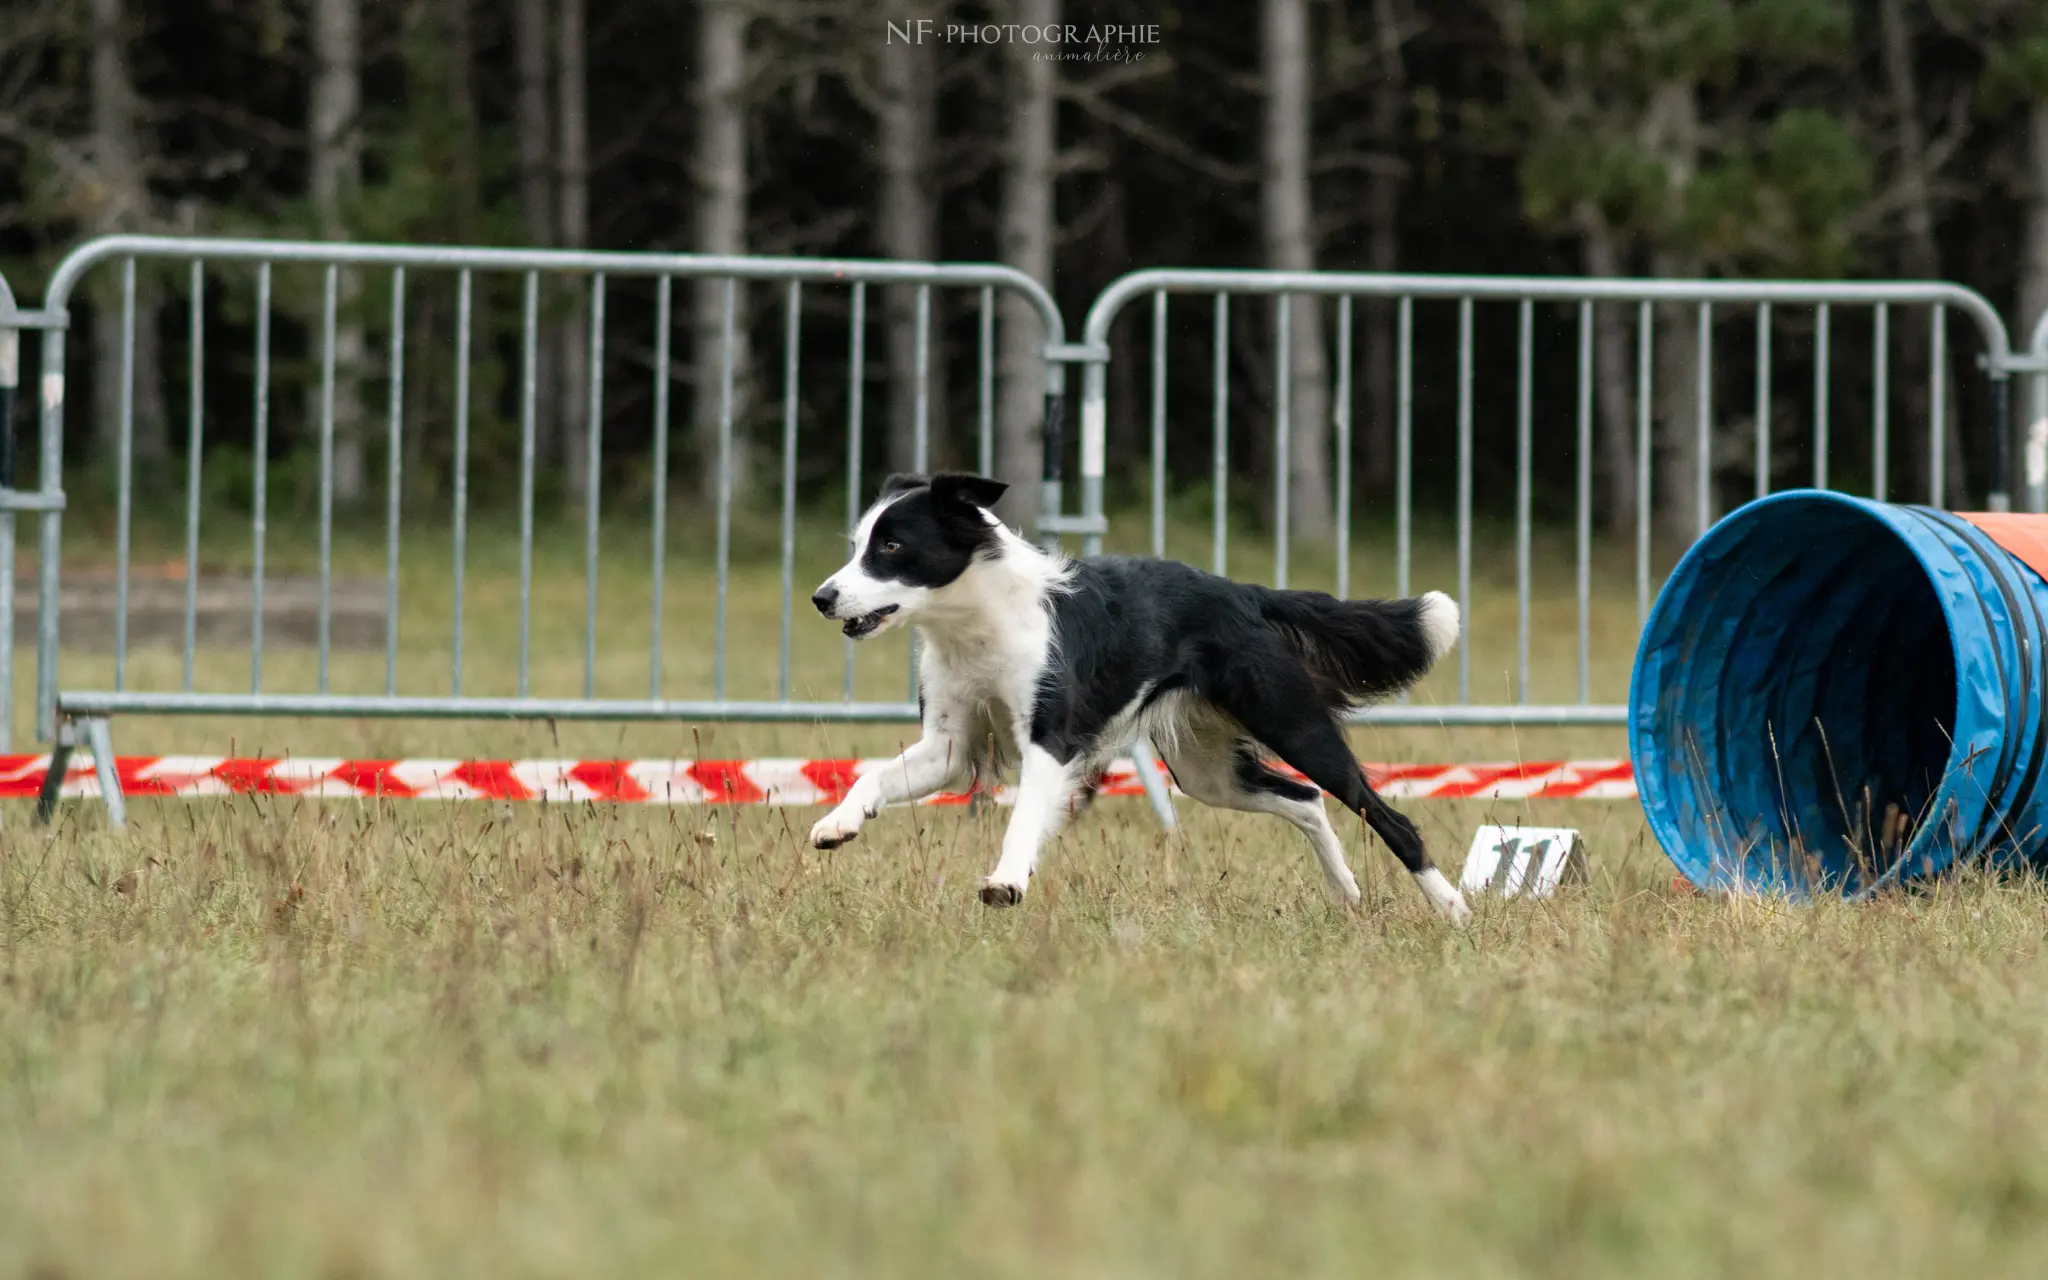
(1051, 667)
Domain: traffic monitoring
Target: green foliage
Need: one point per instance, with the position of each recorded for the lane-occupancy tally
(1816, 175)
(1622, 180)
(1783, 204)
(2017, 70)
(1795, 31)
(1632, 46)
(1631, 122)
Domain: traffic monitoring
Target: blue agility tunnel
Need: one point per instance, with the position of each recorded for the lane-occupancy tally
(1834, 695)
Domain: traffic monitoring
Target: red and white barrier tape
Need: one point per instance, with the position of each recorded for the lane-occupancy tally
(774, 781)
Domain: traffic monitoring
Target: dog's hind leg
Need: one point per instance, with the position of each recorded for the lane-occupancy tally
(1274, 705)
(1223, 769)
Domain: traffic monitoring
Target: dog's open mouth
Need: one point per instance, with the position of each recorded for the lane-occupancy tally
(868, 623)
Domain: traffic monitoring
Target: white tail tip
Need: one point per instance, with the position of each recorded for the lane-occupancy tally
(1439, 623)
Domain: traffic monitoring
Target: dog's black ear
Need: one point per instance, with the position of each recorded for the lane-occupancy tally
(901, 483)
(962, 486)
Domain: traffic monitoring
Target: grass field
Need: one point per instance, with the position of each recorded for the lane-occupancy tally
(334, 1039)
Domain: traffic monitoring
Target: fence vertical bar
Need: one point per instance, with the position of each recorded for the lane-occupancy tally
(1159, 422)
(922, 401)
(1999, 408)
(2037, 435)
(921, 437)
(1465, 486)
(1645, 350)
(1219, 439)
(725, 409)
(10, 383)
(1937, 369)
(1343, 424)
(2036, 441)
(463, 309)
(529, 388)
(49, 475)
(593, 476)
(985, 431)
(1583, 507)
(330, 292)
(664, 301)
(791, 336)
(856, 381)
(1283, 429)
(124, 473)
(260, 499)
(394, 479)
(1404, 446)
(1763, 399)
(1880, 402)
(195, 435)
(1821, 360)
(1525, 377)
(1703, 439)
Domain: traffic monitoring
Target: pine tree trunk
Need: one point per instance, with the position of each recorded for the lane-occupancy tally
(909, 227)
(573, 117)
(336, 164)
(721, 176)
(1677, 474)
(1613, 380)
(2034, 284)
(1288, 215)
(1920, 258)
(1674, 126)
(2034, 247)
(467, 177)
(117, 160)
(1026, 237)
(536, 190)
(429, 383)
(1130, 345)
(1383, 247)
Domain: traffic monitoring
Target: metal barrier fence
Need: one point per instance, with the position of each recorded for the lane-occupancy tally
(47, 500)
(1464, 294)
(66, 715)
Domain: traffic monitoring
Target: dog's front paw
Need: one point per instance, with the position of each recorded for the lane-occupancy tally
(1000, 893)
(833, 830)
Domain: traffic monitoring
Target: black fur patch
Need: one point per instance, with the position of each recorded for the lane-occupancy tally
(932, 530)
(1253, 775)
(1281, 662)
(1354, 650)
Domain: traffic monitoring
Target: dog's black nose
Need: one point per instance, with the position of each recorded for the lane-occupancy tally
(825, 598)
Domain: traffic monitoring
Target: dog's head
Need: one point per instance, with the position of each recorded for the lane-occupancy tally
(922, 533)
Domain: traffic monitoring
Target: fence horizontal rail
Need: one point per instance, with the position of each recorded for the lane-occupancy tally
(576, 261)
(378, 706)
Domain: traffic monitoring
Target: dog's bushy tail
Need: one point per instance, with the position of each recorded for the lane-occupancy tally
(1358, 650)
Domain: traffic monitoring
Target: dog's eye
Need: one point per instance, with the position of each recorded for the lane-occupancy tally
(890, 546)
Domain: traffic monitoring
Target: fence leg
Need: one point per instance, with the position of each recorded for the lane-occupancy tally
(101, 743)
(1154, 781)
(53, 781)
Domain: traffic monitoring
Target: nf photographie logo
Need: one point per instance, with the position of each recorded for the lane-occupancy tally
(1065, 42)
